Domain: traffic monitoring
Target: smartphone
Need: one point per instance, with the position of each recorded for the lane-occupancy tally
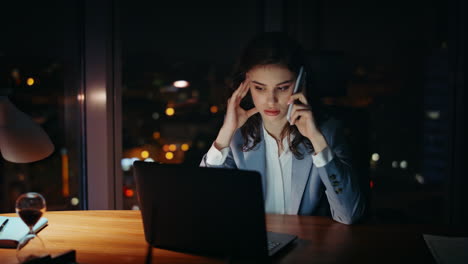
(299, 82)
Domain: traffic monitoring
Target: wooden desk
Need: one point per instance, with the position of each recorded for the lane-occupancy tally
(117, 237)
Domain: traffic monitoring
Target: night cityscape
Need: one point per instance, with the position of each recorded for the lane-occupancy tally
(247, 131)
(380, 67)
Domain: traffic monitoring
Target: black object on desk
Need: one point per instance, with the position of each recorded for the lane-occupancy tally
(68, 257)
(208, 211)
(4, 224)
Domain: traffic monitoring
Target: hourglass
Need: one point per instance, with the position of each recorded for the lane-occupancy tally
(30, 207)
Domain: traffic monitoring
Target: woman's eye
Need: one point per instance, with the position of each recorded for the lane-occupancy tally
(258, 88)
(283, 88)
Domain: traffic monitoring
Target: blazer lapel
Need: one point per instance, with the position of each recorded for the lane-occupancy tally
(255, 160)
(300, 174)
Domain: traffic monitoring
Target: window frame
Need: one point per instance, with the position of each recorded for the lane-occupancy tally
(102, 90)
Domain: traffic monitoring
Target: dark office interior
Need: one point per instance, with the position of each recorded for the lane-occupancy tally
(392, 71)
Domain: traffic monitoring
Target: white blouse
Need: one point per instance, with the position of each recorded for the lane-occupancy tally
(278, 171)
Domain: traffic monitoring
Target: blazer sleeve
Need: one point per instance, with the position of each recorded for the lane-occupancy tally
(228, 162)
(347, 202)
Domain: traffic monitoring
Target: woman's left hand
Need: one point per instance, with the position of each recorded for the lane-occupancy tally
(303, 118)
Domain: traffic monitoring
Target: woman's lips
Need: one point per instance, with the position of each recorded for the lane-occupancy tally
(271, 112)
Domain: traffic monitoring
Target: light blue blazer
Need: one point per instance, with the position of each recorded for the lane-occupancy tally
(332, 189)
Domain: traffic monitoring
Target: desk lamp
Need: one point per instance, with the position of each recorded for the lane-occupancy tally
(21, 139)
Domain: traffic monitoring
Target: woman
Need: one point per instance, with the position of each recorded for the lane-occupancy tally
(304, 163)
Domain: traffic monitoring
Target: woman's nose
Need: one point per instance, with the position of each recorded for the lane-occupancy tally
(272, 98)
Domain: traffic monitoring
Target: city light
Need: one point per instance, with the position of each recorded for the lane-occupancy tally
(144, 154)
(172, 147)
(419, 178)
(375, 157)
(170, 111)
(166, 148)
(184, 147)
(149, 160)
(214, 109)
(403, 164)
(65, 173)
(74, 201)
(30, 81)
(181, 84)
(394, 164)
(15, 74)
(80, 97)
(156, 135)
(434, 115)
(127, 163)
(128, 192)
(155, 115)
(169, 155)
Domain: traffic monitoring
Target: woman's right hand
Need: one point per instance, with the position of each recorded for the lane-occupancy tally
(235, 117)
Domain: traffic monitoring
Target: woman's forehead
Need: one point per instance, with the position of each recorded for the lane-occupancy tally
(270, 74)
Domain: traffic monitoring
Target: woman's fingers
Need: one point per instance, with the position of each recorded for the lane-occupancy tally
(234, 111)
(238, 90)
(298, 96)
(246, 87)
(300, 111)
(297, 107)
(304, 113)
(238, 94)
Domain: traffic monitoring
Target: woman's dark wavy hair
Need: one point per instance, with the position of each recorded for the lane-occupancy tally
(279, 49)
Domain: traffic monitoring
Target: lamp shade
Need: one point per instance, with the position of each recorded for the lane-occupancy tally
(21, 139)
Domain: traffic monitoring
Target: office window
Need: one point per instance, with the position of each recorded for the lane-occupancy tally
(40, 72)
(380, 67)
(175, 59)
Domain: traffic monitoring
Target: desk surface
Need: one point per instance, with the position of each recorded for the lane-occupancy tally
(117, 237)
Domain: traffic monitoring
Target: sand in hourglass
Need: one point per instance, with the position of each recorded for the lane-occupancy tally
(30, 216)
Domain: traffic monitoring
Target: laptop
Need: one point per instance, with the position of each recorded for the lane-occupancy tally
(205, 211)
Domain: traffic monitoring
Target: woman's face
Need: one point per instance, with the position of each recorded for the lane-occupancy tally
(271, 87)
